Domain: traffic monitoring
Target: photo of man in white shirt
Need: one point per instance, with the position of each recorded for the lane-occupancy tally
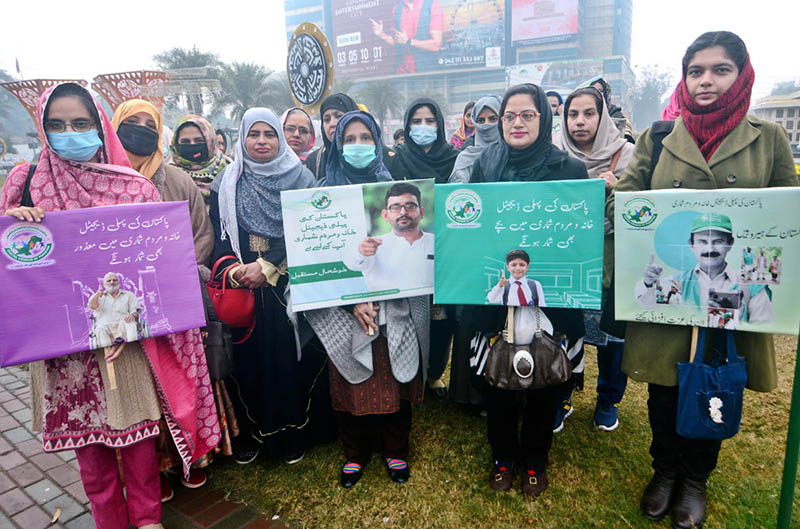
(403, 258)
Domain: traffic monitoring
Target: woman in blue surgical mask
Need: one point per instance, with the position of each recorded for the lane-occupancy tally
(356, 152)
(426, 153)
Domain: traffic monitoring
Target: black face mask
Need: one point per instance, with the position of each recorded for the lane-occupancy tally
(137, 139)
(197, 153)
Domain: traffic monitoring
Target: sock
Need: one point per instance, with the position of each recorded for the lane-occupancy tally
(351, 468)
(503, 466)
(396, 464)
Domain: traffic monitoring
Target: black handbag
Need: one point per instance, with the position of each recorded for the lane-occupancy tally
(217, 342)
(542, 363)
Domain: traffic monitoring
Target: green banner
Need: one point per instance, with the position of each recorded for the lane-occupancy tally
(517, 243)
(320, 272)
(719, 258)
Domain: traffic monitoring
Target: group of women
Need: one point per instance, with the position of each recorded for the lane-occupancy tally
(356, 370)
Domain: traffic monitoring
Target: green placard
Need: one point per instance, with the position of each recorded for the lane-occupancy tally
(558, 225)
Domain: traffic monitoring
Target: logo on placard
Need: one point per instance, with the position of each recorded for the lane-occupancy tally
(463, 207)
(321, 200)
(27, 245)
(639, 212)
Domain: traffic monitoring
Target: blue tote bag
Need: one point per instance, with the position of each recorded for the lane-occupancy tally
(710, 398)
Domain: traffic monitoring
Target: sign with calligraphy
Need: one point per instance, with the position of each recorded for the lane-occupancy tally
(88, 278)
(520, 243)
(709, 258)
(358, 243)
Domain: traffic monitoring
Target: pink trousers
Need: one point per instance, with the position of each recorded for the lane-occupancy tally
(141, 504)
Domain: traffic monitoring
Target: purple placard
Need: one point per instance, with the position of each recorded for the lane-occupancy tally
(51, 274)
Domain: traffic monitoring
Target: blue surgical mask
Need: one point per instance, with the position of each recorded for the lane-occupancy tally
(75, 146)
(359, 155)
(423, 135)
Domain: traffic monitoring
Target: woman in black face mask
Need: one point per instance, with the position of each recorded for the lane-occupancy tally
(195, 150)
(139, 127)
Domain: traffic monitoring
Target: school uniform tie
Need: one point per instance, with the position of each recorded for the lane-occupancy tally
(522, 301)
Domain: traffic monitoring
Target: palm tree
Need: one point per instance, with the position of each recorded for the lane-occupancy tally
(342, 86)
(180, 58)
(277, 96)
(244, 85)
(382, 98)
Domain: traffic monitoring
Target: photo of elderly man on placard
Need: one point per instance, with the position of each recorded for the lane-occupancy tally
(712, 282)
(115, 313)
(518, 290)
(403, 258)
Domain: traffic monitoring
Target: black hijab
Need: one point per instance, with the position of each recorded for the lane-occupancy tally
(412, 162)
(338, 171)
(341, 102)
(499, 162)
(317, 161)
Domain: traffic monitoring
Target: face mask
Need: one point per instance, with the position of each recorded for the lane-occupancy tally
(197, 153)
(487, 132)
(138, 140)
(75, 146)
(423, 135)
(358, 155)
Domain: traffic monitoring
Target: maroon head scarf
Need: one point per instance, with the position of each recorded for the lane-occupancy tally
(710, 124)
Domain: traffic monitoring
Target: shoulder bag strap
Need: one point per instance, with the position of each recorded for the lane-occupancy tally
(615, 159)
(658, 132)
(27, 200)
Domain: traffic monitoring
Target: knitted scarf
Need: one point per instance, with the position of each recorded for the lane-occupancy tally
(710, 124)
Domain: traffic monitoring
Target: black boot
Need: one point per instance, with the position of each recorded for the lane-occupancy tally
(657, 497)
(689, 509)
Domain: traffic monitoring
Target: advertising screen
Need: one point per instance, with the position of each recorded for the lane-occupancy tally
(375, 38)
(532, 20)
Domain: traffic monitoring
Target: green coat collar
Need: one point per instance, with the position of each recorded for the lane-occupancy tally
(681, 144)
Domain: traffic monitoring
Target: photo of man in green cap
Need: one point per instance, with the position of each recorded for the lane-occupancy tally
(712, 282)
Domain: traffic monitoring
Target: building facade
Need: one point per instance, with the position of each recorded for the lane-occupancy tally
(785, 111)
(558, 44)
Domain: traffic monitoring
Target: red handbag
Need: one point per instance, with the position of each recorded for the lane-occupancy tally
(234, 306)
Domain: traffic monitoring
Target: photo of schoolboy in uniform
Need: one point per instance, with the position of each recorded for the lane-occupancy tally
(519, 290)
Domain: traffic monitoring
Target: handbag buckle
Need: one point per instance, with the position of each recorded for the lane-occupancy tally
(523, 356)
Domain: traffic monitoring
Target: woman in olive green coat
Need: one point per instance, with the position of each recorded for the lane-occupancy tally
(715, 144)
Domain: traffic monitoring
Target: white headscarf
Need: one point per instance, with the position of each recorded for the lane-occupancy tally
(607, 142)
(257, 205)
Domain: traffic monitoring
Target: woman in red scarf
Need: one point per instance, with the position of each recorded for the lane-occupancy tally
(82, 165)
(714, 144)
(465, 130)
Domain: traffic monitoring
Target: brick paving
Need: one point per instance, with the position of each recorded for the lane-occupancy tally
(34, 485)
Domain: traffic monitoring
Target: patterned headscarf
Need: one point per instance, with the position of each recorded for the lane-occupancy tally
(146, 165)
(202, 173)
(60, 184)
(285, 116)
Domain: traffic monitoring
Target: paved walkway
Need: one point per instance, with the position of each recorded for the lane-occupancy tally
(35, 486)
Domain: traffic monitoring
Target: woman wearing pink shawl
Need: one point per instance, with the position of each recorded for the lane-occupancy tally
(299, 131)
(83, 165)
(673, 108)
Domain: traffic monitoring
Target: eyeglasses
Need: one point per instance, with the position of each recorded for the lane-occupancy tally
(490, 119)
(78, 125)
(410, 207)
(525, 115)
(291, 129)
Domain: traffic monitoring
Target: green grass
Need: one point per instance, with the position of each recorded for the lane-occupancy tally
(596, 478)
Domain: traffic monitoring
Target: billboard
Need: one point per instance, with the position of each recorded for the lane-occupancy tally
(533, 20)
(562, 74)
(378, 38)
